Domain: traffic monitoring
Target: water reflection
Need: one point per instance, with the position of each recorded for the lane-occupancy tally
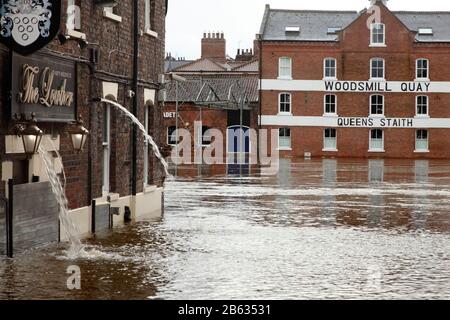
(319, 229)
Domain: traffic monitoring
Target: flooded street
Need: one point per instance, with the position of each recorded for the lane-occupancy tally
(320, 229)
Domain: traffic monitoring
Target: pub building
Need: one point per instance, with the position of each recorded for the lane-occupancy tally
(374, 83)
(99, 50)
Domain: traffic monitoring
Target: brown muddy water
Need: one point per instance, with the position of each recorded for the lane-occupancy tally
(320, 229)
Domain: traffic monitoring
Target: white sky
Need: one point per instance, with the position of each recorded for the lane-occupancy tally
(240, 19)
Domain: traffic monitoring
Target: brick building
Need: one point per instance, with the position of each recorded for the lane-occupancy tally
(212, 94)
(374, 83)
(116, 167)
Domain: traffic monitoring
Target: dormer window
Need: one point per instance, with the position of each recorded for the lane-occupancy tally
(425, 31)
(377, 34)
(292, 29)
(333, 30)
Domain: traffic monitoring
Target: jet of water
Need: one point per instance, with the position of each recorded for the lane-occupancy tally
(68, 227)
(141, 127)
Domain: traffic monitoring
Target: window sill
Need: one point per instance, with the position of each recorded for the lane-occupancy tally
(377, 45)
(330, 150)
(330, 79)
(421, 151)
(76, 34)
(151, 33)
(377, 116)
(149, 188)
(284, 149)
(285, 114)
(112, 16)
(284, 78)
(377, 151)
(330, 115)
(377, 79)
(422, 117)
(422, 80)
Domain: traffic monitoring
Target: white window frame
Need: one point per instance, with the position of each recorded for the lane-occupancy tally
(325, 68)
(330, 114)
(280, 67)
(422, 150)
(76, 30)
(149, 27)
(328, 149)
(372, 78)
(106, 146)
(108, 12)
(427, 115)
(427, 69)
(371, 149)
(290, 140)
(377, 44)
(290, 104)
(375, 115)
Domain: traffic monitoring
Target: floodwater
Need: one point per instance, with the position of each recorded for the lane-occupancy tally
(320, 229)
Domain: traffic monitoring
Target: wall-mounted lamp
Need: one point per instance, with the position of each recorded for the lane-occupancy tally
(30, 133)
(62, 38)
(78, 135)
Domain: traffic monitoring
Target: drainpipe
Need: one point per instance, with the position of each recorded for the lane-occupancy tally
(135, 98)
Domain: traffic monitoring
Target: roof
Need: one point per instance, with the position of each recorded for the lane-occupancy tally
(209, 65)
(170, 65)
(314, 24)
(197, 89)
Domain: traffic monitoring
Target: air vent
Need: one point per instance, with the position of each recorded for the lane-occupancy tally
(426, 31)
(333, 30)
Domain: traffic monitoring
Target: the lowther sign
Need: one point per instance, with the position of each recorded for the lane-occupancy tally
(28, 25)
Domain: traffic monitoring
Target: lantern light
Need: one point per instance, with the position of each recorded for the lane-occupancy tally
(78, 135)
(31, 137)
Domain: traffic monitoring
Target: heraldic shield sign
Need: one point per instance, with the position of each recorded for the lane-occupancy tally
(28, 25)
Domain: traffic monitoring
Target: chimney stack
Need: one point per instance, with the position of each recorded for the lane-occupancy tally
(214, 46)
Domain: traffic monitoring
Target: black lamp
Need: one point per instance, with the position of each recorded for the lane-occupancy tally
(78, 135)
(31, 137)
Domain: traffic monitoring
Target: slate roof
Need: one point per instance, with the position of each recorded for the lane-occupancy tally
(314, 24)
(170, 65)
(189, 91)
(208, 65)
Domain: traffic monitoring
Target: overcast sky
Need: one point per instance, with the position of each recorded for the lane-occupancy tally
(240, 19)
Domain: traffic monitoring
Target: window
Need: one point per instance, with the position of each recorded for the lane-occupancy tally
(206, 136)
(422, 106)
(421, 141)
(284, 140)
(73, 15)
(377, 105)
(329, 142)
(171, 136)
(377, 34)
(112, 13)
(426, 31)
(149, 23)
(329, 68)
(422, 69)
(333, 30)
(106, 148)
(376, 140)
(285, 68)
(285, 103)
(330, 104)
(377, 68)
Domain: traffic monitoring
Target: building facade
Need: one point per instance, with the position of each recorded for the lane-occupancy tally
(219, 92)
(347, 84)
(92, 58)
